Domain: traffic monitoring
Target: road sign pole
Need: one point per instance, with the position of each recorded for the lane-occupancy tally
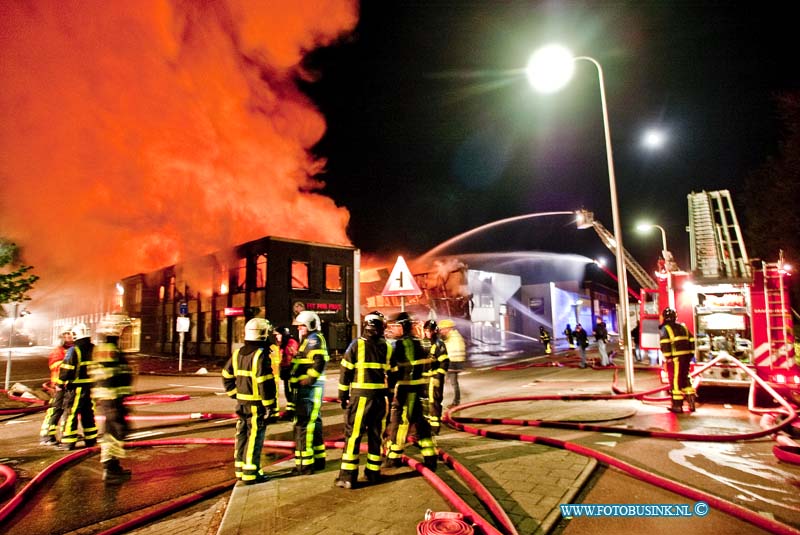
(180, 351)
(402, 303)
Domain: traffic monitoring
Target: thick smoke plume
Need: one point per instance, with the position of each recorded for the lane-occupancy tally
(137, 134)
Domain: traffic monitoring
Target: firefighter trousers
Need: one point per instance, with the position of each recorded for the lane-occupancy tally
(53, 415)
(309, 450)
(679, 381)
(250, 430)
(406, 411)
(435, 399)
(116, 428)
(365, 414)
(78, 404)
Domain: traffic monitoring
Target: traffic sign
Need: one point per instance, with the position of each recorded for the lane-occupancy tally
(401, 282)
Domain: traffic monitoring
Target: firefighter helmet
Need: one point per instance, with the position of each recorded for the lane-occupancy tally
(80, 330)
(283, 330)
(374, 324)
(447, 324)
(257, 330)
(431, 326)
(669, 315)
(404, 319)
(113, 325)
(309, 319)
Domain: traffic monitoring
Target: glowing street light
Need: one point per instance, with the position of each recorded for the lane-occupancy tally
(549, 69)
(669, 260)
(654, 139)
(647, 227)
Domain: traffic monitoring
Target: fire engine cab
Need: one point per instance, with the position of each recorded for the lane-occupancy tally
(732, 303)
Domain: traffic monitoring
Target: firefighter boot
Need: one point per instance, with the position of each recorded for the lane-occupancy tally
(346, 479)
(373, 476)
(691, 399)
(114, 473)
(430, 462)
(677, 406)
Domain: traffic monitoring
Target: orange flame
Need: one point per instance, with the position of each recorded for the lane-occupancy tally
(135, 134)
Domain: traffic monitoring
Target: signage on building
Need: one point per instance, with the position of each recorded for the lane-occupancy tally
(234, 311)
(182, 325)
(401, 282)
(324, 308)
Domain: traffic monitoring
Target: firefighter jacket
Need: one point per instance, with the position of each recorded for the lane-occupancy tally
(364, 367)
(75, 367)
(456, 347)
(247, 376)
(310, 360)
(410, 364)
(112, 377)
(439, 357)
(676, 340)
(54, 362)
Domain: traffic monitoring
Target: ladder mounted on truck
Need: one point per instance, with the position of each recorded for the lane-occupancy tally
(585, 219)
(717, 249)
(777, 313)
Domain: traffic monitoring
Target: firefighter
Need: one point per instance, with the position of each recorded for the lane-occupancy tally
(456, 352)
(247, 378)
(362, 394)
(677, 345)
(408, 379)
(112, 382)
(74, 375)
(308, 382)
(287, 346)
(52, 417)
(569, 333)
(544, 337)
(437, 374)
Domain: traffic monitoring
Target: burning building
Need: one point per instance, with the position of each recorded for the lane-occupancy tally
(273, 278)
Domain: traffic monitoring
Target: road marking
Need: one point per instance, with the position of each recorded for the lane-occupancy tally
(144, 434)
(199, 387)
(610, 443)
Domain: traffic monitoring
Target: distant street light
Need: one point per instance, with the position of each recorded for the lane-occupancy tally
(654, 139)
(669, 260)
(549, 69)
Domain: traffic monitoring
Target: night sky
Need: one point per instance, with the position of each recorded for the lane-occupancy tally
(432, 128)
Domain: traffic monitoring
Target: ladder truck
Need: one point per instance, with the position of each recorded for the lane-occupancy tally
(732, 303)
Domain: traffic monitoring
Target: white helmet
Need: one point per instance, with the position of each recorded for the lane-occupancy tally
(81, 330)
(309, 319)
(113, 325)
(257, 330)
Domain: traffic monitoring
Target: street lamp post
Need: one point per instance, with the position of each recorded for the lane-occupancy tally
(10, 342)
(556, 58)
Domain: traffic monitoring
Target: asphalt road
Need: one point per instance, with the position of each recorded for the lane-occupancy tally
(745, 473)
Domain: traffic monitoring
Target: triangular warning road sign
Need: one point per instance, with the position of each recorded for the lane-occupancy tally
(401, 281)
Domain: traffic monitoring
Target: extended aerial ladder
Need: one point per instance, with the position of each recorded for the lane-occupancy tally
(717, 249)
(585, 219)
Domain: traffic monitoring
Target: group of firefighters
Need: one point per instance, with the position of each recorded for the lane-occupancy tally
(83, 375)
(407, 376)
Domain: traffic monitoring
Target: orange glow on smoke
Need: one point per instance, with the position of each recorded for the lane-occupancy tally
(136, 134)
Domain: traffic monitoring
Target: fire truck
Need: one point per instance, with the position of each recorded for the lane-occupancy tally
(733, 303)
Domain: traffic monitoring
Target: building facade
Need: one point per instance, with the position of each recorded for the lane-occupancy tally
(212, 297)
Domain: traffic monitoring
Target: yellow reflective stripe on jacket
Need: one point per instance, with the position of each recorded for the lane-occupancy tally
(672, 340)
(251, 374)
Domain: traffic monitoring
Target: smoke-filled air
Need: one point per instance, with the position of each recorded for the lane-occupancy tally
(134, 135)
